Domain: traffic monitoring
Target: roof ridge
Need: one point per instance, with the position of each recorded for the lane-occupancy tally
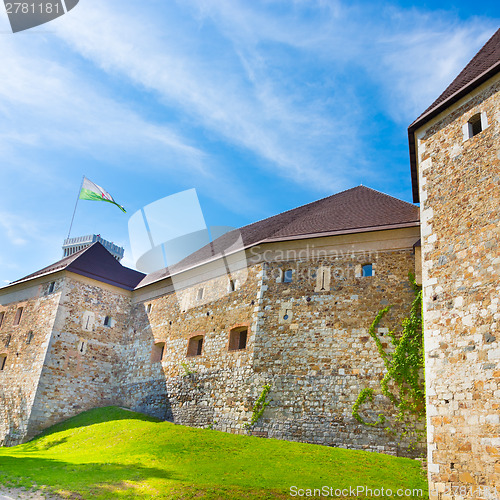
(470, 65)
(78, 264)
(390, 196)
(299, 207)
(483, 66)
(56, 266)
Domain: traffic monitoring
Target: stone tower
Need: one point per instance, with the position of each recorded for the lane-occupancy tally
(455, 160)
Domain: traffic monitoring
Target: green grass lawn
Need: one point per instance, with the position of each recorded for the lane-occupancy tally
(112, 453)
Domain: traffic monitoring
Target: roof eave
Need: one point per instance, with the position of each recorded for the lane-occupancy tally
(343, 231)
(287, 238)
(423, 119)
(33, 278)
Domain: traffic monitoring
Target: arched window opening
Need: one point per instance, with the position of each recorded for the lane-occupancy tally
(238, 338)
(195, 346)
(107, 321)
(158, 352)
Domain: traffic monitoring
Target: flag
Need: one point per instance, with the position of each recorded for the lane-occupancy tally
(91, 191)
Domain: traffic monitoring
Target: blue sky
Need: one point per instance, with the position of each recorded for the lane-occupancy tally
(261, 106)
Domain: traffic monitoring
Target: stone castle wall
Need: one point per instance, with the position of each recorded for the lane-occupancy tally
(84, 360)
(314, 347)
(316, 360)
(25, 347)
(308, 338)
(164, 388)
(460, 217)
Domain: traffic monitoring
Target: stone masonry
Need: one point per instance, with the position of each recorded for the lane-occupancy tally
(459, 179)
(316, 360)
(83, 360)
(24, 346)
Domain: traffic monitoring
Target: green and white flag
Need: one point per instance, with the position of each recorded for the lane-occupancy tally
(91, 191)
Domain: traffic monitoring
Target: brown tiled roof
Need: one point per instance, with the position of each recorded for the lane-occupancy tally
(358, 209)
(93, 262)
(484, 65)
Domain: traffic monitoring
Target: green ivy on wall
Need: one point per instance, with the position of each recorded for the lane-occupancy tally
(259, 407)
(404, 383)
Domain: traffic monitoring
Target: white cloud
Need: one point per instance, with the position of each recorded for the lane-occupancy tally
(419, 61)
(18, 228)
(235, 72)
(249, 111)
(46, 105)
(412, 53)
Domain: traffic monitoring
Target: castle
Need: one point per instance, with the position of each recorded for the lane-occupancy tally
(195, 343)
(292, 308)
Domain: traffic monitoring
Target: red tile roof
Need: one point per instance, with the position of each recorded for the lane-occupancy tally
(484, 65)
(93, 262)
(359, 209)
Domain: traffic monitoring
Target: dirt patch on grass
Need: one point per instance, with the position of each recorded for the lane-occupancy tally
(23, 494)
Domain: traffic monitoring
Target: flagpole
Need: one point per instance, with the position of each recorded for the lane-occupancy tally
(76, 204)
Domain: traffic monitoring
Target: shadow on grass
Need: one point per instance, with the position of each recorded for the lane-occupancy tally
(94, 478)
(92, 417)
(109, 481)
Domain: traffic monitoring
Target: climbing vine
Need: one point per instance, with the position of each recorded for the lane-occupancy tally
(403, 384)
(259, 407)
(188, 369)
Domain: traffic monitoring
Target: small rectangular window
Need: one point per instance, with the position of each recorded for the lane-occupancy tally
(367, 270)
(18, 316)
(7, 340)
(200, 293)
(149, 307)
(107, 321)
(288, 276)
(476, 124)
(238, 338)
(3, 361)
(158, 352)
(195, 346)
(29, 337)
(2, 314)
(51, 287)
